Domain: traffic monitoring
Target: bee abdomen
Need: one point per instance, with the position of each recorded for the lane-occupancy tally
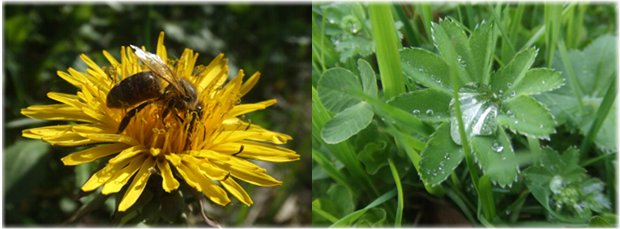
(134, 89)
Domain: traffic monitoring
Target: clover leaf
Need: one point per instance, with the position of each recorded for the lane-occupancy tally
(490, 102)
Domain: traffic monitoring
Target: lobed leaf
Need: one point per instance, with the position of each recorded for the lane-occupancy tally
(525, 115)
(512, 73)
(539, 80)
(426, 68)
(427, 104)
(495, 156)
(481, 43)
(450, 39)
(440, 157)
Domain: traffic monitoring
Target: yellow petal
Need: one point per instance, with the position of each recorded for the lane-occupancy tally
(120, 177)
(236, 190)
(137, 186)
(161, 49)
(203, 165)
(110, 138)
(169, 183)
(249, 83)
(254, 177)
(102, 176)
(75, 81)
(60, 112)
(254, 150)
(214, 74)
(92, 153)
(110, 58)
(250, 107)
(127, 154)
(213, 192)
(69, 99)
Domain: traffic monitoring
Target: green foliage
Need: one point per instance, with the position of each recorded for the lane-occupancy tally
(476, 91)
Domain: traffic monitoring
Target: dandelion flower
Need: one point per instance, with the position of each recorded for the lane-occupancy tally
(210, 157)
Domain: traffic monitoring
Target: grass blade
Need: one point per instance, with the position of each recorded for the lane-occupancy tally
(386, 44)
(399, 187)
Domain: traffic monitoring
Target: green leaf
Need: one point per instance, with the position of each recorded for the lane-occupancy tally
(594, 68)
(367, 75)
(349, 219)
(495, 156)
(373, 157)
(605, 220)
(511, 74)
(335, 88)
(23, 168)
(525, 115)
(338, 201)
(539, 80)
(426, 68)
(374, 217)
(347, 123)
(453, 45)
(481, 43)
(427, 104)
(440, 157)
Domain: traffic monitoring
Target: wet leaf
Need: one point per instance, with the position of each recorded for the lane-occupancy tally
(539, 80)
(479, 113)
(494, 154)
(427, 104)
(505, 78)
(440, 157)
(426, 68)
(527, 116)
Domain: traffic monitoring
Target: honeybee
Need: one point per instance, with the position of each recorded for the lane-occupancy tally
(178, 97)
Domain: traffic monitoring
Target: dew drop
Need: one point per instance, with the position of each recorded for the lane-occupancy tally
(516, 121)
(503, 158)
(544, 82)
(556, 184)
(429, 112)
(497, 147)
(509, 85)
(415, 112)
(509, 112)
(513, 93)
(355, 28)
(541, 126)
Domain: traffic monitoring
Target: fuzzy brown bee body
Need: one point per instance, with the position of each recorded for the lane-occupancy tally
(144, 88)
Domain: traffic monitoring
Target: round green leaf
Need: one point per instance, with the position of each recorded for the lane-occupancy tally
(367, 75)
(440, 157)
(525, 115)
(347, 123)
(335, 88)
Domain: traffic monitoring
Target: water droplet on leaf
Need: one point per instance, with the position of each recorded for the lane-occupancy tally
(429, 112)
(415, 112)
(497, 147)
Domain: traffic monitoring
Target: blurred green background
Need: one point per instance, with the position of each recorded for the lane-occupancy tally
(42, 39)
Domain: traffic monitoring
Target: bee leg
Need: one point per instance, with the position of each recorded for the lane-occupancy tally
(190, 128)
(130, 115)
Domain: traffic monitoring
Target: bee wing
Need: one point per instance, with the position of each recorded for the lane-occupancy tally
(157, 66)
